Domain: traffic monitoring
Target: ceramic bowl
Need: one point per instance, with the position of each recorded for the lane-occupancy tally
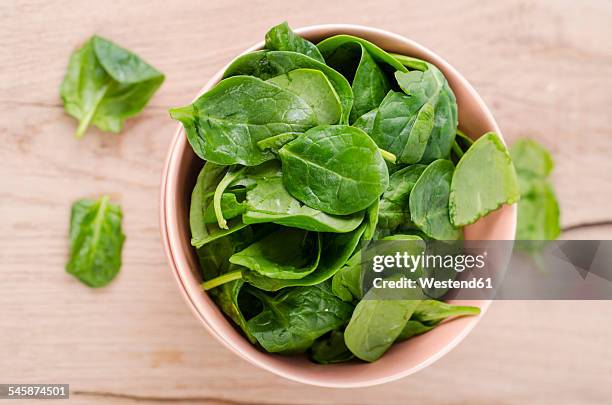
(179, 175)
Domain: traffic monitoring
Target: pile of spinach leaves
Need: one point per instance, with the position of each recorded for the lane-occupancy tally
(310, 151)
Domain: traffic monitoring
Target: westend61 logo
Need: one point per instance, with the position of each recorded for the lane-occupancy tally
(411, 262)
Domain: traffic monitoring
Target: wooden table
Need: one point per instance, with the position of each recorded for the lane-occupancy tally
(543, 67)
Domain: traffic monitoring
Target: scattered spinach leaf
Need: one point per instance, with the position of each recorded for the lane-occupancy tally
(96, 241)
(106, 84)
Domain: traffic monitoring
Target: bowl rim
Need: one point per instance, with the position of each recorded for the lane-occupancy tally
(167, 233)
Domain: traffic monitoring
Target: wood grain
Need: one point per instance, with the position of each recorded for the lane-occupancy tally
(543, 67)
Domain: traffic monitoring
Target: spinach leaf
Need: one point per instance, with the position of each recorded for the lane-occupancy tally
(282, 38)
(224, 125)
(376, 323)
(269, 201)
(394, 206)
(430, 87)
(335, 169)
(372, 214)
(368, 81)
(538, 214)
(429, 200)
(429, 314)
(287, 253)
(403, 126)
(330, 349)
(538, 209)
(346, 283)
(483, 181)
(268, 64)
(106, 84)
(532, 162)
(292, 320)
(336, 250)
(314, 88)
(203, 232)
(96, 241)
(227, 297)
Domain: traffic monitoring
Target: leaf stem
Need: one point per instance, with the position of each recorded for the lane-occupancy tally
(457, 149)
(86, 120)
(229, 177)
(222, 279)
(388, 156)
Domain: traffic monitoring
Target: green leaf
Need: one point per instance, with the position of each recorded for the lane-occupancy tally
(335, 169)
(268, 64)
(282, 38)
(96, 241)
(429, 201)
(106, 84)
(431, 87)
(287, 253)
(269, 201)
(531, 159)
(366, 121)
(335, 252)
(224, 124)
(394, 207)
(376, 323)
(483, 181)
(538, 214)
(349, 56)
(292, 320)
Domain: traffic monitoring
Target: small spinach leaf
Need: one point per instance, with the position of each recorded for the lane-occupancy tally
(394, 206)
(336, 169)
(96, 241)
(328, 45)
(429, 201)
(106, 84)
(376, 323)
(403, 126)
(268, 64)
(483, 181)
(292, 320)
(224, 124)
(287, 253)
(282, 38)
(336, 250)
(430, 87)
(269, 201)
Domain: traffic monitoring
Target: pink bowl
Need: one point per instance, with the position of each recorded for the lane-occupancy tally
(403, 359)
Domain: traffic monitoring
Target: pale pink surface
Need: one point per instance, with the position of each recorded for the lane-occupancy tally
(402, 359)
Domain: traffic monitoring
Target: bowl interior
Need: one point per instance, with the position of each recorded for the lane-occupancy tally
(402, 359)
